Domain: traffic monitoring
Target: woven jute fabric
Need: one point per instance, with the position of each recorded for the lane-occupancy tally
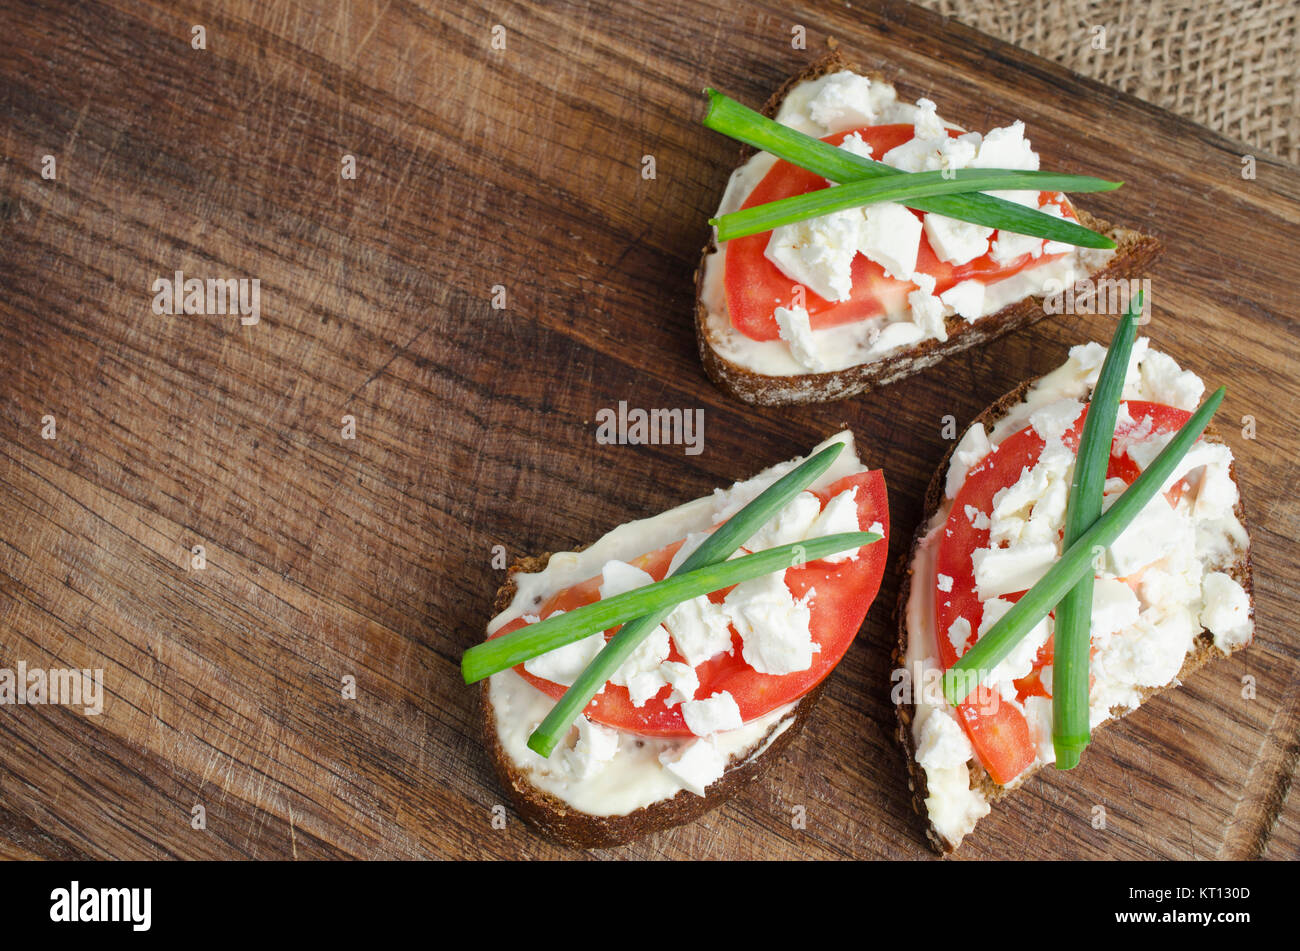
(1227, 64)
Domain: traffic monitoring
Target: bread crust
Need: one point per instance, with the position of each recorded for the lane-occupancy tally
(1202, 652)
(1134, 255)
(555, 818)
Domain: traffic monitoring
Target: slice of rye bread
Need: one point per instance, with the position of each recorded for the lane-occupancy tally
(557, 819)
(1133, 256)
(1202, 652)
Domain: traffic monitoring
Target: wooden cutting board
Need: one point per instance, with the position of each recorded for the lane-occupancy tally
(371, 558)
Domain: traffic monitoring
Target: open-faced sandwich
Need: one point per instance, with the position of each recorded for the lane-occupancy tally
(931, 240)
(639, 682)
(1011, 522)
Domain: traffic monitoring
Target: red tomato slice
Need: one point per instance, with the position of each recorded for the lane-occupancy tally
(755, 286)
(844, 592)
(1000, 748)
(1000, 738)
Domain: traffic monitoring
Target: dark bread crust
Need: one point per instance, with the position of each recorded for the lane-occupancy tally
(1134, 256)
(555, 818)
(1202, 652)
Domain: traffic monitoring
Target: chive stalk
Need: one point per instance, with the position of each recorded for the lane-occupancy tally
(1073, 633)
(897, 188)
(739, 122)
(967, 673)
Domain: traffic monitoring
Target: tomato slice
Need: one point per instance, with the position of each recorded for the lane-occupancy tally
(755, 286)
(1000, 737)
(844, 592)
(1003, 746)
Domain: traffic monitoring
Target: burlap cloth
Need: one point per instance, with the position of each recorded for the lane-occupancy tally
(1227, 64)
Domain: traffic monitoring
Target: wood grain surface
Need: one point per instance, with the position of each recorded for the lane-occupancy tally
(371, 558)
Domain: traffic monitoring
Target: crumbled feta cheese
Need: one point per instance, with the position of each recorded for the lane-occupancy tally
(773, 626)
(927, 124)
(839, 516)
(966, 298)
(1226, 614)
(959, 152)
(847, 100)
(1216, 493)
(891, 236)
(718, 713)
(973, 446)
(943, 744)
(792, 524)
(697, 765)
(596, 746)
(1167, 383)
(682, 678)
(1038, 713)
(1054, 420)
(639, 672)
(701, 629)
(1156, 531)
(943, 582)
(644, 685)
(900, 333)
(959, 634)
(1001, 571)
(1007, 148)
(978, 520)
(1114, 608)
(692, 541)
(819, 252)
(795, 328)
(1009, 246)
(618, 577)
(1202, 454)
(1087, 359)
(856, 145)
(1145, 655)
(564, 664)
(957, 242)
(928, 311)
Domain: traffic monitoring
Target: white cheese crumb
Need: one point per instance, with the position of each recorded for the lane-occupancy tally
(957, 242)
(1226, 614)
(1000, 571)
(795, 328)
(792, 524)
(966, 298)
(701, 629)
(696, 765)
(847, 100)
(619, 577)
(891, 236)
(773, 626)
(564, 664)
(973, 446)
(682, 678)
(839, 516)
(718, 713)
(819, 252)
(596, 746)
(959, 635)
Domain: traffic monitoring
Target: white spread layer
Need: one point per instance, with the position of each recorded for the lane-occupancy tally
(1142, 636)
(845, 100)
(603, 771)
